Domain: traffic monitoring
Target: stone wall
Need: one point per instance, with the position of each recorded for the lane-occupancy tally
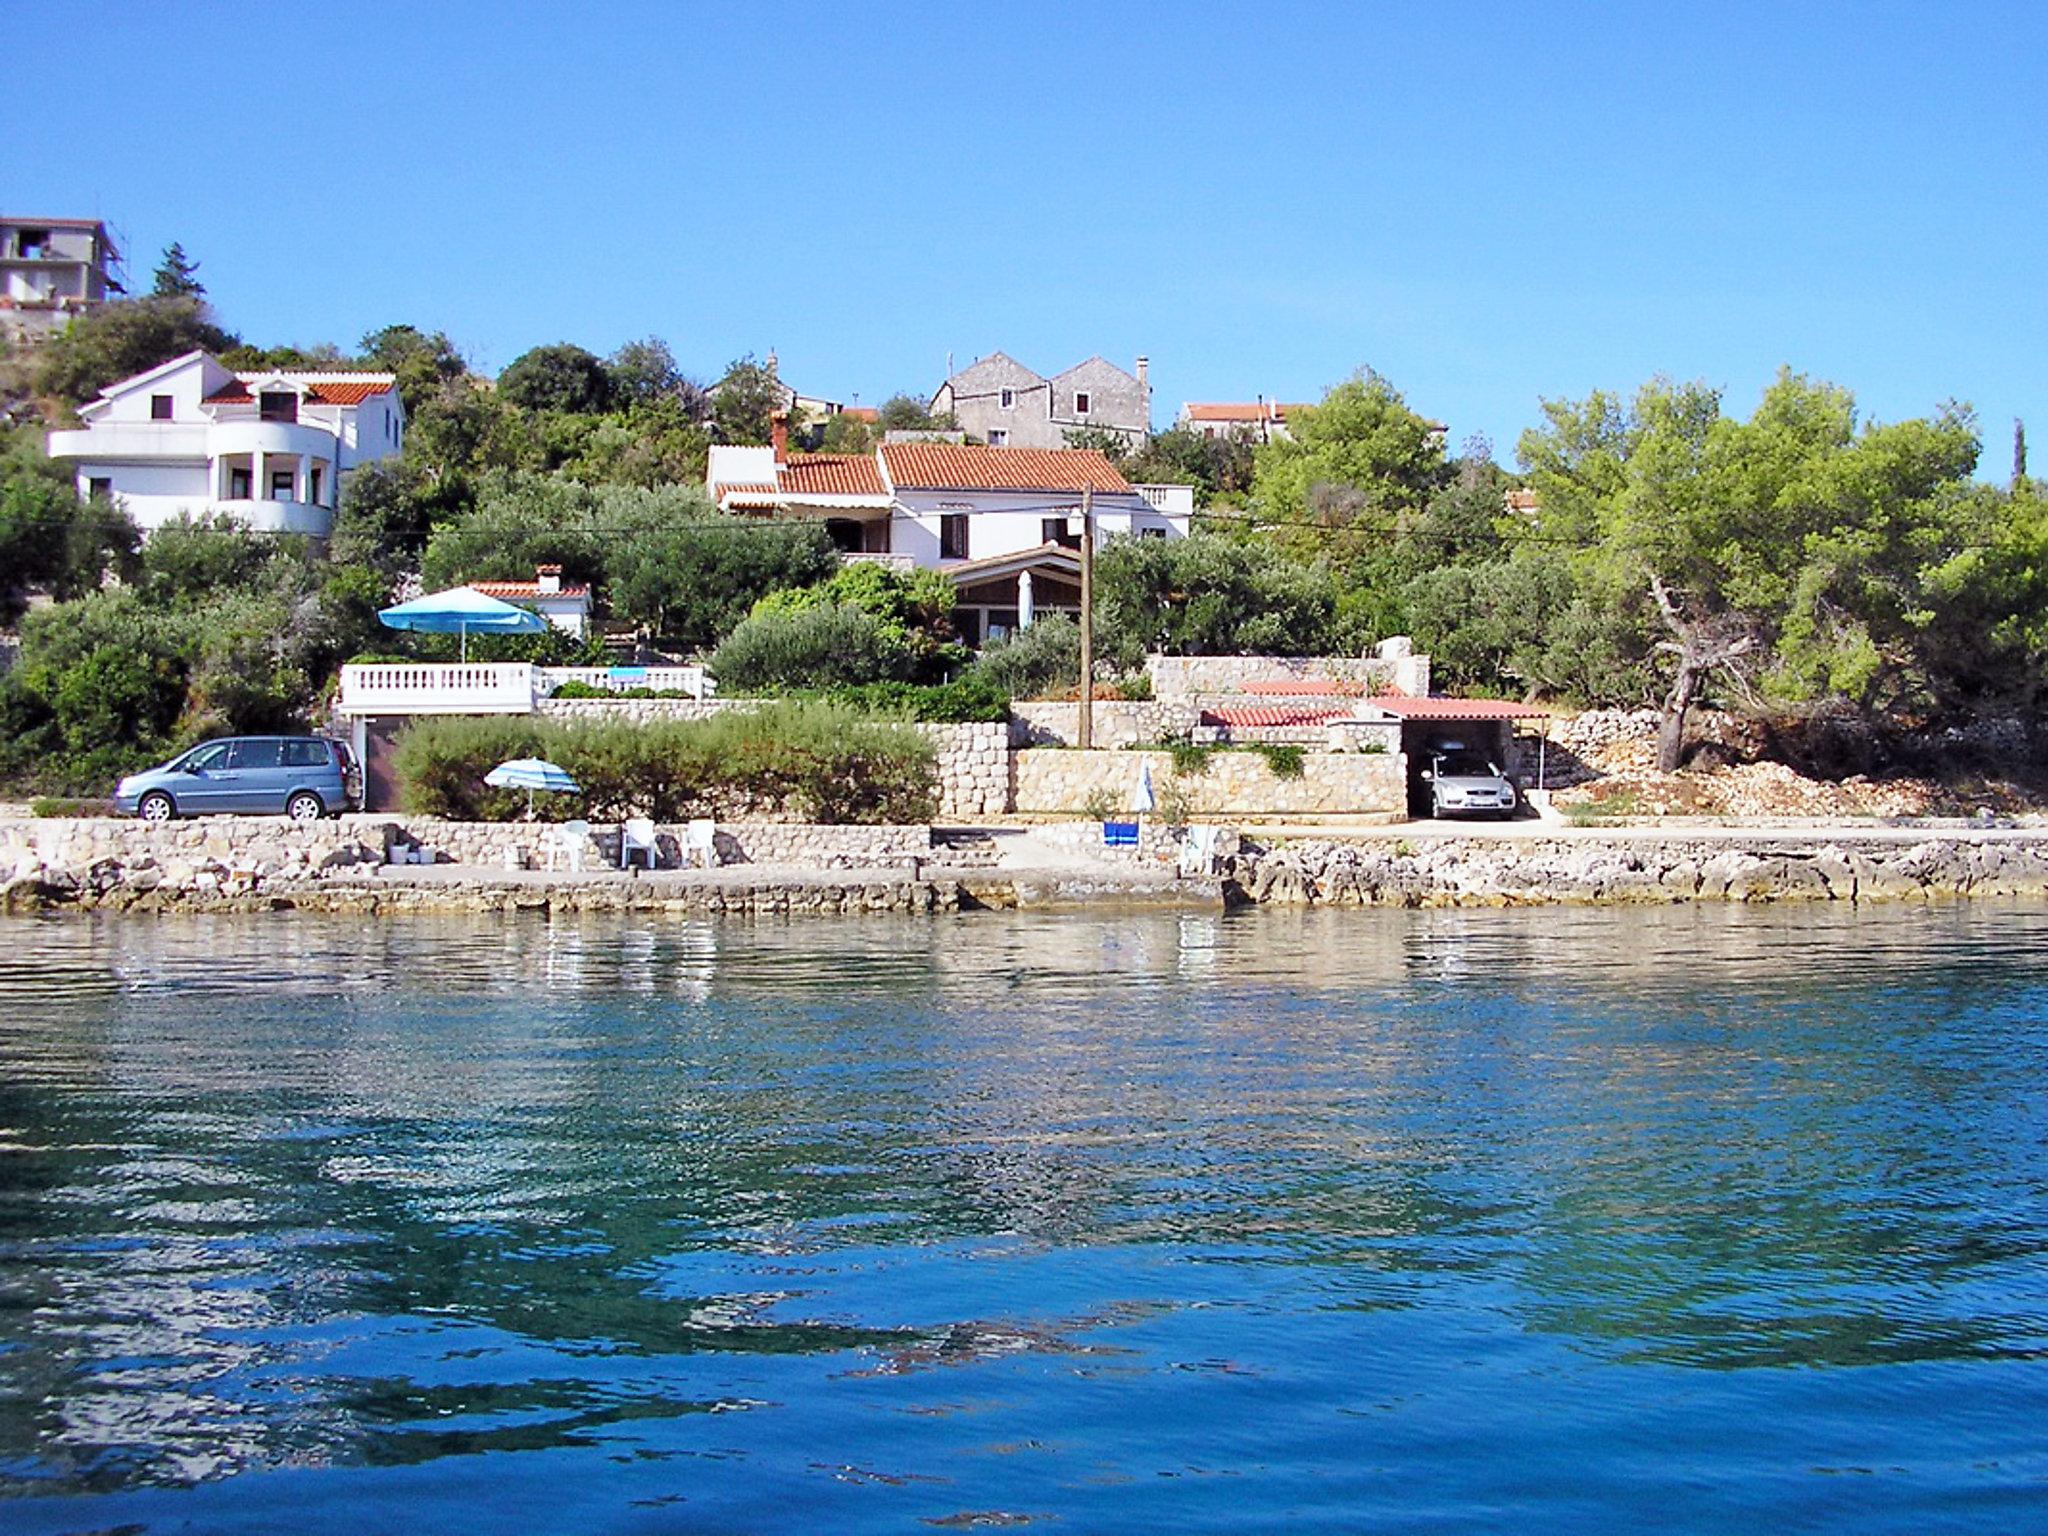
(973, 767)
(1239, 785)
(1181, 677)
(1118, 722)
(637, 711)
(220, 852)
(1498, 872)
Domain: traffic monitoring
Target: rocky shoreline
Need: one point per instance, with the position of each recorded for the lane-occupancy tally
(247, 866)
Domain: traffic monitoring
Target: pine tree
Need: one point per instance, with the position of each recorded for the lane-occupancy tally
(2019, 453)
(178, 276)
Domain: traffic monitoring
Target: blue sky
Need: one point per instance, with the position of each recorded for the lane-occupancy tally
(1488, 203)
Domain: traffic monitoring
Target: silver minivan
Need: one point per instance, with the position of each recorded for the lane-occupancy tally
(303, 777)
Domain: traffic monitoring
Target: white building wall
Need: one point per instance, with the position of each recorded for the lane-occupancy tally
(1004, 523)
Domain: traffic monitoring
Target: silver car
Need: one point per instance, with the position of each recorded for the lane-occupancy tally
(303, 777)
(1465, 783)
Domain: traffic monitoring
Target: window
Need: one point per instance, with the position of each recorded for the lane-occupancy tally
(1151, 533)
(304, 752)
(160, 407)
(1054, 530)
(261, 752)
(1008, 399)
(238, 485)
(953, 536)
(1080, 402)
(209, 757)
(280, 485)
(999, 438)
(278, 405)
(313, 487)
(31, 243)
(101, 486)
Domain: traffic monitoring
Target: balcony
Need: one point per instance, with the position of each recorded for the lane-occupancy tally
(493, 687)
(890, 562)
(437, 688)
(1169, 500)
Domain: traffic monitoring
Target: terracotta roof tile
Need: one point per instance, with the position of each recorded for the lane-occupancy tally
(1251, 410)
(1266, 716)
(1409, 708)
(1306, 688)
(957, 467)
(319, 391)
(527, 589)
(832, 474)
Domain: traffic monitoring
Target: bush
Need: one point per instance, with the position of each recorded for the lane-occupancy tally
(971, 698)
(1286, 762)
(805, 760)
(809, 648)
(1032, 663)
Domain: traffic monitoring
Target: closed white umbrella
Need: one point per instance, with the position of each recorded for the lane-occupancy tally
(1143, 800)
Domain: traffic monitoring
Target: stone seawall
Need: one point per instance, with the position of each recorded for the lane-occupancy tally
(1496, 872)
(257, 863)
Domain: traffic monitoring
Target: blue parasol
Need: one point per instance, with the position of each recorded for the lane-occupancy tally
(460, 610)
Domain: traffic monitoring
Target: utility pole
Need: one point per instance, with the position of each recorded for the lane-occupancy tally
(1086, 734)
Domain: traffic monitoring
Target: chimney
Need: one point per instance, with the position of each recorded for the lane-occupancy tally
(778, 435)
(547, 579)
(1144, 373)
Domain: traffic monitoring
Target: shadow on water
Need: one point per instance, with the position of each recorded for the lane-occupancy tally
(282, 1196)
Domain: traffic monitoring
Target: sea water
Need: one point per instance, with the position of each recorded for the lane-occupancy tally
(1690, 1219)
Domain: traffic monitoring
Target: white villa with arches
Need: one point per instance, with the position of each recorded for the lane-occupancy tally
(193, 437)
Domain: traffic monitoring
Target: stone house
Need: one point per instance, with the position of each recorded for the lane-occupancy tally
(1006, 405)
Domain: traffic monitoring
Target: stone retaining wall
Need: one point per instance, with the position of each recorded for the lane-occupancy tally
(1117, 723)
(1239, 785)
(973, 767)
(225, 852)
(1177, 677)
(1497, 872)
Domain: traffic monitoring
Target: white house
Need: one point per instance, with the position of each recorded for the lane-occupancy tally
(192, 437)
(565, 607)
(997, 520)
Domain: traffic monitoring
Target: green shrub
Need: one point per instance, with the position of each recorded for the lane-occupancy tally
(1190, 759)
(1285, 761)
(1033, 663)
(809, 760)
(1135, 689)
(824, 646)
(57, 805)
(971, 698)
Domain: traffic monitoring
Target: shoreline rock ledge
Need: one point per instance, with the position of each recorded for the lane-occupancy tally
(242, 864)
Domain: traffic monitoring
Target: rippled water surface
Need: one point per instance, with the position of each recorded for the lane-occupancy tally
(1543, 1221)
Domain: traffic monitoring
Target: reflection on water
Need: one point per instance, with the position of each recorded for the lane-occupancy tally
(1366, 1218)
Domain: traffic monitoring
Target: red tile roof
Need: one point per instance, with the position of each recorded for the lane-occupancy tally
(1254, 410)
(526, 589)
(956, 467)
(1306, 688)
(318, 391)
(832, 474)
(866, 413)
(1266, 716)
(749, 495)
(1409, 708)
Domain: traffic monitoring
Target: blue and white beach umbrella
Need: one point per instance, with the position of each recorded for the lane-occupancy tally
(530, 774)
(460, 610)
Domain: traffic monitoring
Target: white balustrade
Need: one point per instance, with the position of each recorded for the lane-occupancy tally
(694, 681)
(437, 688)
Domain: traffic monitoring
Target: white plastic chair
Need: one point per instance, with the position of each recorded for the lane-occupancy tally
(1198, 853)
(571, 839)
(700, 843)
(636, 835)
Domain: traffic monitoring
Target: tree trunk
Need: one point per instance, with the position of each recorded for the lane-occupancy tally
(1671, 729)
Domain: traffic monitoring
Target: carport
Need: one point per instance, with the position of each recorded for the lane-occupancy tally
(1429, 725)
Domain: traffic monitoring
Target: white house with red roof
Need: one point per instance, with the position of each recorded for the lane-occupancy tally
(193, 437)
(564, 605)
(999, 521)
